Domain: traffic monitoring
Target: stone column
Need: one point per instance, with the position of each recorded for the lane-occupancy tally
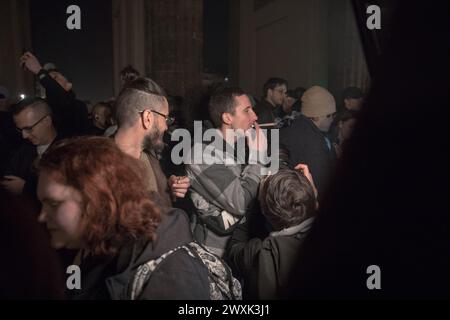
(175, 43)
(15, 34)
(129, 47)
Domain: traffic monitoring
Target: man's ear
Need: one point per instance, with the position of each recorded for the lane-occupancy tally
(314, 119)
(48, 120)
(227, 118)
(147, 119)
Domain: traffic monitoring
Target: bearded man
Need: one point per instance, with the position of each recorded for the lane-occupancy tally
(142, 114)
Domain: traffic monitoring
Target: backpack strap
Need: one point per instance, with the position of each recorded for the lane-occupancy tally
(144, 271)
(192, 248)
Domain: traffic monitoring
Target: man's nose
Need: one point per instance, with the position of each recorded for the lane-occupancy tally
(42, 216)
(254, 116)
(25, 134)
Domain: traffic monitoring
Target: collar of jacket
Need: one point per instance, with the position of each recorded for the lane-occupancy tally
(312, 125)
(300, 228)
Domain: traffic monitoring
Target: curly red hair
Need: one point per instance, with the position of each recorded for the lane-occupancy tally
(117, 207)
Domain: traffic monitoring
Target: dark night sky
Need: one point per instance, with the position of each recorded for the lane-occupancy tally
(215, 36)
(85, 56)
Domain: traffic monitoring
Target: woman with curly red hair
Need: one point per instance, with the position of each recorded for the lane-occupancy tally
(94, 199)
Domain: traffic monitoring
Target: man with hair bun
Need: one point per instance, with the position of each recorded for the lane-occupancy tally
(142, 115)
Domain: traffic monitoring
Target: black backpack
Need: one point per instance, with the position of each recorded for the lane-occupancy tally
(222, 284)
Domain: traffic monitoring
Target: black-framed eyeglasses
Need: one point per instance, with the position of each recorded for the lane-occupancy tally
(169, 120)
(29, 129)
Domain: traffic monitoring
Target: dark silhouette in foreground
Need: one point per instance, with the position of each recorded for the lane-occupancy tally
(388, 205)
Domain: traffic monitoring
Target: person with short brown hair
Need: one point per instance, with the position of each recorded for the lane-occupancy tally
(224, 187)
(274, 93)
(288, 203)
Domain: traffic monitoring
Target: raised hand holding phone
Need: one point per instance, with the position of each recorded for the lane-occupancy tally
(30, 62)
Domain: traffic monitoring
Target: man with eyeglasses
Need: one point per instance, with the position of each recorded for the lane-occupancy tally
(274, 93)
(33, 120)
(142, 114)
(306, 139)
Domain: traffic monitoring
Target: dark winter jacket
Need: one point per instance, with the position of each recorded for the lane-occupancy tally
(22, 164)
(308, 145)
(266, 265)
